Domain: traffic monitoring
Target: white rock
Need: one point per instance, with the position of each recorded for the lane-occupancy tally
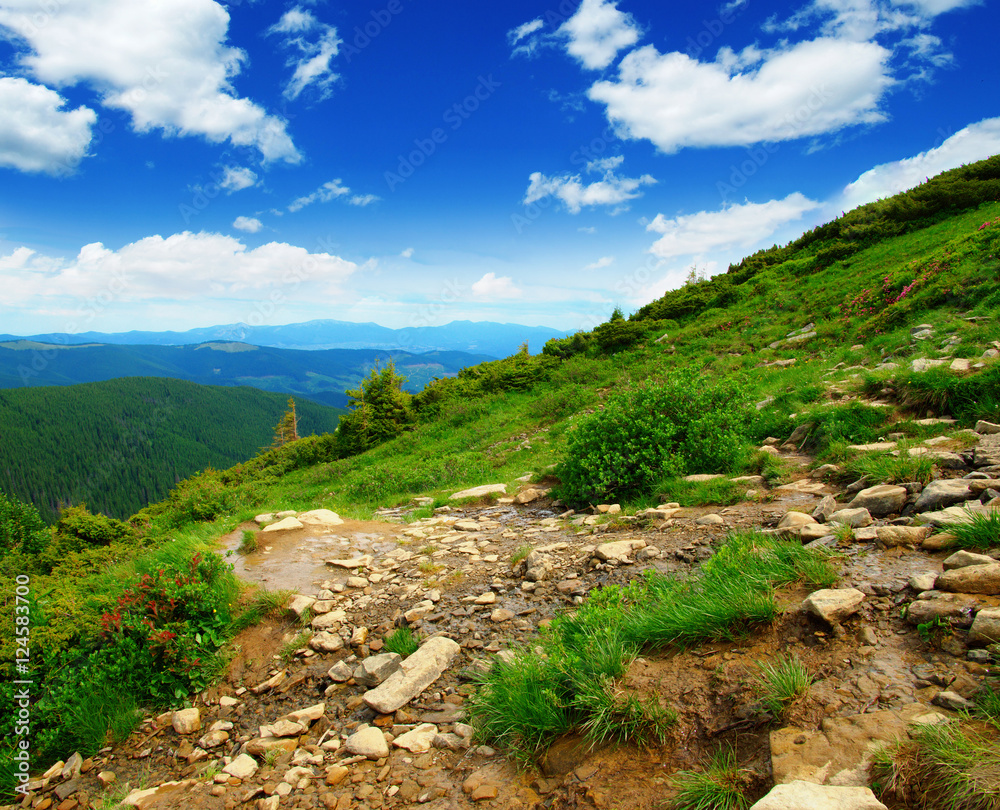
(855, 518)
(619, 550)
(368, 742)
(833, 605)
(986, 627)
(320, 517)
(419, 740)
(417, 672)
(326, 642)
(808, 796)
(881, 500)
(479, 492)
(186, 721)
(243, 767)
(795, 519)
(285, 525)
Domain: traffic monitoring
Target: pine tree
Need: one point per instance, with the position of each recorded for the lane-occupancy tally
(287, 430)
(379, 410)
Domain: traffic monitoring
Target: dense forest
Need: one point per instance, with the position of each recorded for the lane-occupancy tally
(120, 444)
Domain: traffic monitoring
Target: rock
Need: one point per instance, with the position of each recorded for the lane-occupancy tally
(971, 579)
(798, 436)
(824, 509)
(956, 514)
(609, 508)
(329, 621)
(167, 794)
(710, 520)
(855, 518)
(340, 672)
(985, 627)
(321, 518)
(466, 526)
(834, 605)
(619, 550)
(336, 774)
(923, 611)
(299, 604)
(419, 740)
(986, 428)
(243, 767)
(922, 582)
(962, 559)
(376, 668)
(417, 672)
(106, 778)
(262, 745)
(809, 796)
(893, 536)
(479, 492)
(803, 485)
(701, 478)
(487, 598)
(960, 365)
(813, 531)
(285, 728)
(418, 611)
(326, 642)
(213, 739)
(529, 495)
(921, 364)
(941, 493)
(308, 715)
(186, 721)
(538, 567)
(953, 701)
(285, 525)
(355, 562)
(501, 615)
(71, 769)
(792, 519)
(368, 741)
(881, 500)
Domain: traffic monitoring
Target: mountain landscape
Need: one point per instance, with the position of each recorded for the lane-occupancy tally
(482, 338)
(321, 375)
(737, 547)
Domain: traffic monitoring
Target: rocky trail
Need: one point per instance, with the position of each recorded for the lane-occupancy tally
(328, 719)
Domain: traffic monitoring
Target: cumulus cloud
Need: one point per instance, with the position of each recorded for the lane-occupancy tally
(36, 133)
(597, 32)
(326, 192)
(604, 261)
(575, 193)
(248, 224)
(407, 253)
(974, 142)
(489, 286)
(164, 62)
(237, 178)
(361, 200)
(734, 226)
(313, 45)
(806, 89)
(183, 267)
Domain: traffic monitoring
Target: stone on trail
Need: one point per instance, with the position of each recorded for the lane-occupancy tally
(368, 742)
(953, 515)
(809, 796)
(300, 603)
(710, 520)
(983, 579)
(962, 559)
(881, 500)
(803, 485)
(986, 428)
(813, 531)
(947, 607)
(340, 672)
(243, 767)
(942, 493)
(893, 536)
(326, 642)
(985, 627)
(792, 519)
(376, 668)
(824, 509)
(833, 605)
(479, 492)
(355, 562)
(186, 721)
(417, 672)
(618, 551)
(320, 517)
(529, 495)
(141, 799)
(466, 526)
(327, 621)
(701, 478)
(285, 525)
(418, 740)
(855, 518)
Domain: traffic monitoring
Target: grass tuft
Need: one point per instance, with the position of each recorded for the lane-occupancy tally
(721, 786)
(781, 682)
(982, 532)
(402, 642)
(248, 545)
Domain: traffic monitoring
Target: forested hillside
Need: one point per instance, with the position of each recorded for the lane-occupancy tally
(322, 376)
(120, 444)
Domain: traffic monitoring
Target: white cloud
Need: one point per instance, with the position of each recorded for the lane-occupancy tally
(164, 62)
(314, 45)
(237, 178)
(183, 267)
(362, 200)
(587, 229)
(489, 286)
(575, 193)
(36, 133)
(407, 254)
(974, 142)
(734, 226)
(326, 192)
(934, 7)
(811, 88)
(604, 261)
(597, 32)
(517, 34)
(248, 224)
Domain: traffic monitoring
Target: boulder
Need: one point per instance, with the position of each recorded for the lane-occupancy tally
(368, 741)
(893, 536)
(285, 525)
(186, 721)
(792, 519)
(880, 501)
(942, 493)
(855, 518)
(326, 642)
(243, 767)
(825, 508)
(809, 796)
(417, 672)
(376, 668)
(971, 579)
(320, 517)
(923, 611)
(418, 740)
(813, 531)
(986, 627)
(618, 551)
(963, 559)
(479, 492)
(833, 605)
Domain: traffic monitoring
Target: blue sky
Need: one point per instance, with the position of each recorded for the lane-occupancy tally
(167, 164)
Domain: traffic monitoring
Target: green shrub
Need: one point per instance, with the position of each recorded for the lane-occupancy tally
(685, 423)
(21, 528)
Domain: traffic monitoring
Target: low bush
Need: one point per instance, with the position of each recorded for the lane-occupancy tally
(684, 423)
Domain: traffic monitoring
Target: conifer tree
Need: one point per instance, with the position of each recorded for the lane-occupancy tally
(379, 410)
(287, 430)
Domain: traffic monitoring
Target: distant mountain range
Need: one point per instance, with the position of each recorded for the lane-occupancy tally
(322, 376)
(493, 339)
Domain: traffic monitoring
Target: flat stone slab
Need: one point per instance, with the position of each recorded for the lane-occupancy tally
(807, 796)
(286, 525)
(320, 517)
(416, 673)
(619, 550)
(479, 492)
(804, 485)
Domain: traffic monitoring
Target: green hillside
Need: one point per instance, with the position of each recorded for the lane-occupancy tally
(798, 336)
(121, 444)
